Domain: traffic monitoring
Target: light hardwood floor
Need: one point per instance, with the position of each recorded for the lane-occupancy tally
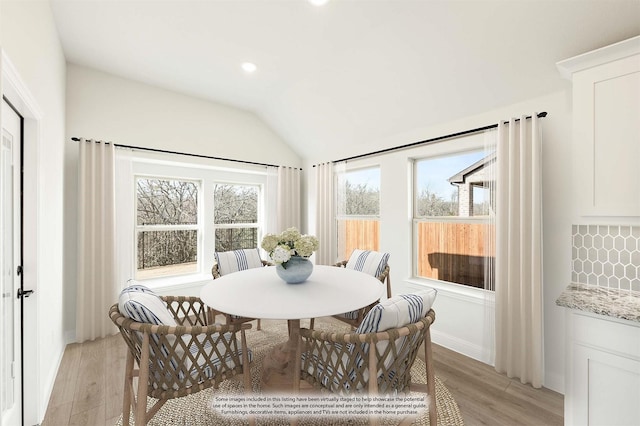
(488, 398)
(89, 384)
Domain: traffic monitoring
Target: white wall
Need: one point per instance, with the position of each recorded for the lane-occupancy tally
(29, 38)
(462, 320)
(103, 106)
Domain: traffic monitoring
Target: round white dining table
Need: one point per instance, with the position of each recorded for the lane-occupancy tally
(261, 293)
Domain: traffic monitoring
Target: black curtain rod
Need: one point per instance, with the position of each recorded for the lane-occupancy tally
(140, 148)
(428, 141)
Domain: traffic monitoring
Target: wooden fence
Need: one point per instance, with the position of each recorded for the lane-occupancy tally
(357, 234)
(449, 251)
(455, 252)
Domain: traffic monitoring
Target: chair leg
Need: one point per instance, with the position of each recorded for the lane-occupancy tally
(246, 370)
(128, 389)
(431, 381)
(143, 383)
(373, 384)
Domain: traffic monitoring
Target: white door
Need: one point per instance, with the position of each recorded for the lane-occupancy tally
(10, 281)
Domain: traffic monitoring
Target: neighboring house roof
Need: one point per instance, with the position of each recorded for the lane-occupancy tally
(461, 176)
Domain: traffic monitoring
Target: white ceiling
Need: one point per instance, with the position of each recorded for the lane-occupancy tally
(348, 72)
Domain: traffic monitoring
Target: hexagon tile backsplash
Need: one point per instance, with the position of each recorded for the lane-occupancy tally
(606, 255)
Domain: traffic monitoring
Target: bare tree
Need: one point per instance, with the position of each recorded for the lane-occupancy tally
(166, 202)
(361, 200)
(431, 204)
(235, 204)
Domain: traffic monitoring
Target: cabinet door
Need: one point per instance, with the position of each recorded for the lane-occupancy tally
(607, 138)
(607, 388)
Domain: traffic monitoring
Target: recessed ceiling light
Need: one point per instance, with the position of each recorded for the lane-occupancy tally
(249, 67)
(318, 2)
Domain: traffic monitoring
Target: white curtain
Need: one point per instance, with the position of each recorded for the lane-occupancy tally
(97, 289)
(288, 198)
(325, 215)
(519, 251)
(271, 202)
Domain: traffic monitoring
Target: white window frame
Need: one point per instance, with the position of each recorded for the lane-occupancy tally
(450, 147)
(132, 164)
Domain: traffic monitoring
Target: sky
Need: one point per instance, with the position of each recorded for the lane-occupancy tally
(432, 173)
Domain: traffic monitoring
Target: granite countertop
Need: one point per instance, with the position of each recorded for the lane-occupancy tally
(624, 304)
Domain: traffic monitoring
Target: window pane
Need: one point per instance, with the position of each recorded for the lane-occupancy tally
(444, 185)
(358, 196)
(236, 238)
(235, 204)
(458, 248)
(359, 192)
(479, 201)
(166, 202)
(162, 253)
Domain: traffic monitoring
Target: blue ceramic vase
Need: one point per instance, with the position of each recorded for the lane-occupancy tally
(296, 270)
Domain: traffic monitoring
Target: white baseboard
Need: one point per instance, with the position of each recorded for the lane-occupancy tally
(69, 337)
(461, 346)
(555, 382)
(47, 385)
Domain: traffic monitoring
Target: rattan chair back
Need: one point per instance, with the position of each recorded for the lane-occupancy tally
(345, 362)
(175, 361)
(215, 271)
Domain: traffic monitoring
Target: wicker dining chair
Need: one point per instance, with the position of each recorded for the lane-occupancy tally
(171, 361)
(344, 362)
(370, 262)
(354, 318)
(231, 261)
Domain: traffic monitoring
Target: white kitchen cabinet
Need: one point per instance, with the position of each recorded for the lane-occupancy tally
(606, 129)
(603, 370)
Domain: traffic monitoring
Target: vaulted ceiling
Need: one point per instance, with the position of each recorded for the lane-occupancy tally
(350, 71)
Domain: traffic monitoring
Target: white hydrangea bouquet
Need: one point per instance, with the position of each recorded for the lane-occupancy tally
(283, 246)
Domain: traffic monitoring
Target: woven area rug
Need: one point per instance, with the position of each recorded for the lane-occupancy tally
(195, 410)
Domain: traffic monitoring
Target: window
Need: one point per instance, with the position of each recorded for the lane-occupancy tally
(453, 201)
(358, 211)
(236, 216)
(173, 213)
(166, 227)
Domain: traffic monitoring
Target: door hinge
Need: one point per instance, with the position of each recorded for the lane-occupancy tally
(19, 270)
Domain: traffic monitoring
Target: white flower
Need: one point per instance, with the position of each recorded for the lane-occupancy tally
(289, 243)
(306, 245)
(270, 242)
(290, 235)
(281, 254)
